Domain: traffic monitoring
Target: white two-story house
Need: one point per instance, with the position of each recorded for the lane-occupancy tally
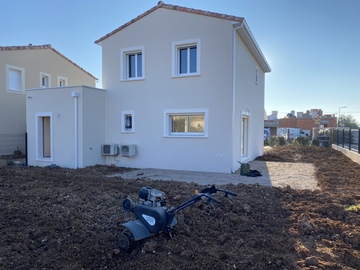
(184, 90)
(186, 87)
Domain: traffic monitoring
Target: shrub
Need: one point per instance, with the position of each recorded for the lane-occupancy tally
(302, 141)
(282, 141)
(315, 142)
(273, 141)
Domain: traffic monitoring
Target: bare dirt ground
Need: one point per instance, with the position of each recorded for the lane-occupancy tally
(56, 218)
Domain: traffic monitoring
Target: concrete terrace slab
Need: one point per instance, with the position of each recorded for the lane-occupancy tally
(275, 174)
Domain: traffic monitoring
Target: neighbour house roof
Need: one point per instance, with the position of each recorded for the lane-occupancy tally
(239, 24)
(39, 47)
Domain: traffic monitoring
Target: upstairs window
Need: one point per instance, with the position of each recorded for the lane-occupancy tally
(186, 58)
(15, 78)
(45, 80)
(62, 81)
(132, 63)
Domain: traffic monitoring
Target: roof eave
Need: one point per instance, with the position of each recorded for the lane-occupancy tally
(175, 8)
(245, 33)
(45, 46)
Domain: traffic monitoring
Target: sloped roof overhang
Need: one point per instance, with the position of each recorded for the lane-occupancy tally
(244, 32)
(40, 47)
(171, 7)
(239, 24)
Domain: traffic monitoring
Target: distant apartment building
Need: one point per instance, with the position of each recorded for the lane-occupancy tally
(306, 121)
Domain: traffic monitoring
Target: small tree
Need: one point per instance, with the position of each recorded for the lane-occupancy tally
(347, 121)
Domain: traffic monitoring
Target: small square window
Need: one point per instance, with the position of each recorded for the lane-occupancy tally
(186, 58)
(45, 80)
(132, 63)
(128, 121)
(62, 81)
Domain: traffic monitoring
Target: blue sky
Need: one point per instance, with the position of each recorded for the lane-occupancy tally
(312, 46)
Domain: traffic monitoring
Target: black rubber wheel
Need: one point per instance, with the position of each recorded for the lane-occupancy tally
(125, 239)
(128, 205)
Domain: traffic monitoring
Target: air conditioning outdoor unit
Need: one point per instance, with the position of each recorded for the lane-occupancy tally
(110, 149)
(128, 150)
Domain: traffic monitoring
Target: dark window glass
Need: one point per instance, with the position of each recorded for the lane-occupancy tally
(128, 121)
(139, 65)
(183, 60)
(192, 59)
(132, 66)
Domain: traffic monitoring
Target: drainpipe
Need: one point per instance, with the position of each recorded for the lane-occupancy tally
(233, 97)
(76, 95)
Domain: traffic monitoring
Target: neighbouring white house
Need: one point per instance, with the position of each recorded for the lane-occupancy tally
(184, 91)
(24, 67)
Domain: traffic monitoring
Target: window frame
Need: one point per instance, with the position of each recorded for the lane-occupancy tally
(45, 75)
(167, 124)
(124, 114)
(60, 79)
(22, 79)
(245, 135)
(40, 137)
(185, 44)
(124, 63)
(256, 75)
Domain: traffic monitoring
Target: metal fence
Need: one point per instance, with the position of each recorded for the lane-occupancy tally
(347, 138)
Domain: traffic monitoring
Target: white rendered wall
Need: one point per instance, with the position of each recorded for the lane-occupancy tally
(60, 104)
(159, 91)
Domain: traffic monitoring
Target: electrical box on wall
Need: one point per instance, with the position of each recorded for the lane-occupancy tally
(128, 150)
(110, 149)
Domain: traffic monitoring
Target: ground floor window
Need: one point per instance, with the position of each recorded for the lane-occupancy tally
(127, 121)
(186, 123)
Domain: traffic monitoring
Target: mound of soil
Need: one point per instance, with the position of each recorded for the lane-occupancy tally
(57, 218)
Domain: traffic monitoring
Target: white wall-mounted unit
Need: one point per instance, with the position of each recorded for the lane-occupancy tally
(110, 149)
(128, 150)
